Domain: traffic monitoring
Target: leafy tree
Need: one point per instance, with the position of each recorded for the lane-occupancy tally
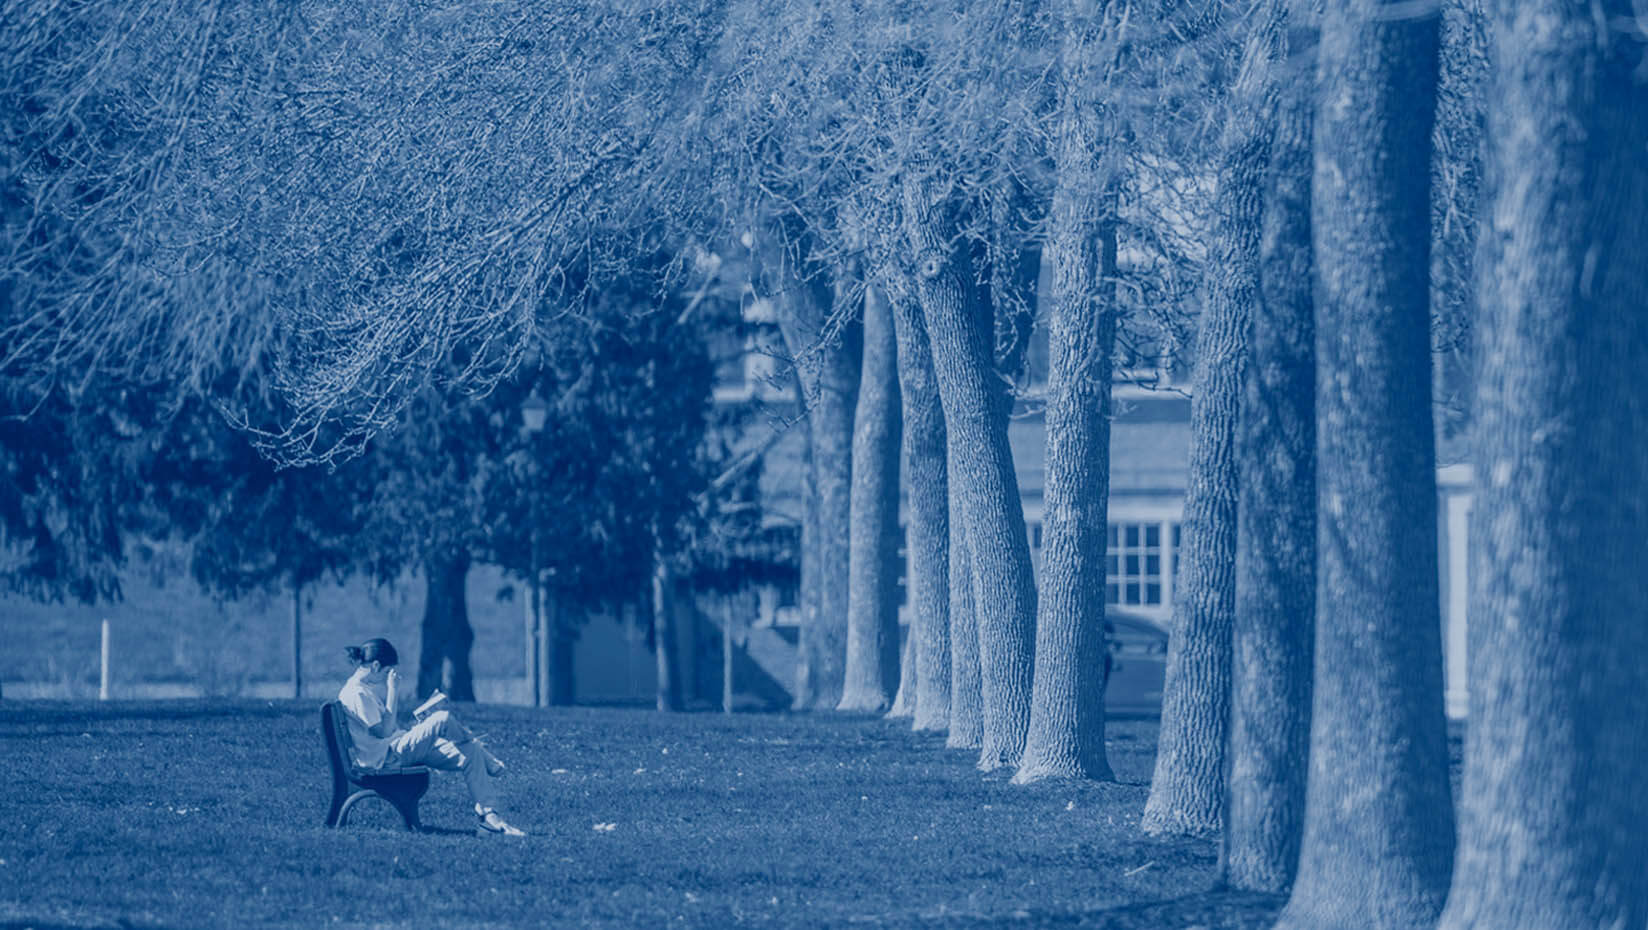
(431, 516)
(345, 196)
(250, 525)
(65, 475)
(1552, 817)
(621, 457)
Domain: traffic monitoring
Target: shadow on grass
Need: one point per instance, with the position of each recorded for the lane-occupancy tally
(1207, 910)
(446, 831)
(1223, 909)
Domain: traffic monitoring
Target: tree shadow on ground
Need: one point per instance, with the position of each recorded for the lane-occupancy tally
(1208, 910)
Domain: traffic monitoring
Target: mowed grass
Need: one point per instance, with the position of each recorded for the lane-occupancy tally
(200, 814)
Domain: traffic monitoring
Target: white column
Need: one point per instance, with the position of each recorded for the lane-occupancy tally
(1456, 608)
(103, 678)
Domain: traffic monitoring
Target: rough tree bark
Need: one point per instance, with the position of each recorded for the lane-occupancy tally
(1187, 789)
(1274, 629)
(904, 702)
(1377, 848)
(872, 671)
(981, 474)
(1066, 729)
(966, 690)
(443, 658)
(1554, 820)
(927, 529)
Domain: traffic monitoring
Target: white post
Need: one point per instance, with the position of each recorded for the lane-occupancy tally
(103, 679)
(297, 641)
(548, 606)
(529, 602)
(1455, 613)
(729, 606)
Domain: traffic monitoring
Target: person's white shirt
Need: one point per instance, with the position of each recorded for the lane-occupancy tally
(366, 710)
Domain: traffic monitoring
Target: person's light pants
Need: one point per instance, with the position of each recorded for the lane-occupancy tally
(439, 741)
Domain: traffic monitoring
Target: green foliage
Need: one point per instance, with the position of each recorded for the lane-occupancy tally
(622, 452)
(251, 525)
(63, 477)
(343, 195)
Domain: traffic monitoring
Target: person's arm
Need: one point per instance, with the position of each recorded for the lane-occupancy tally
(364, 706)
(392, 704)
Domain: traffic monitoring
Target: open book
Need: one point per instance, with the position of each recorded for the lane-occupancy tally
(428, 707)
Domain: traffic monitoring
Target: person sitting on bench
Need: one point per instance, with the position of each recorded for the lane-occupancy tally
(372, 697)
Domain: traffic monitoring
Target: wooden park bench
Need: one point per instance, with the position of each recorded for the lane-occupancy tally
(401, 787)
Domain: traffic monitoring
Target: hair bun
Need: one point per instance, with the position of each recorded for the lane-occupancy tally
(355, 653)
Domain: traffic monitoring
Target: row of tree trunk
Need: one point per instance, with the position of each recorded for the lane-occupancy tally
(1304, 715)
(1303, 719)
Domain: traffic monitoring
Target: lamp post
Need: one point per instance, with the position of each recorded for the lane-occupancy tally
(533, 413)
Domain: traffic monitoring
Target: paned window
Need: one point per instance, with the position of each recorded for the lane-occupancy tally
(1136, 563)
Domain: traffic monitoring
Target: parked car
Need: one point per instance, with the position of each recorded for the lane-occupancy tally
(1137, 663)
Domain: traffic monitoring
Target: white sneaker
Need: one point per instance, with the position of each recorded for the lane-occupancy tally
(492, 824)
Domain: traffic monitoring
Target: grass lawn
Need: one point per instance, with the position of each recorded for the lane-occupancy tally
(197, 814)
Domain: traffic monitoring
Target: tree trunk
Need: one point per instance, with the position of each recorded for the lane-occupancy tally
(1554, 820)
(560, 643)
(1276, 545)
(826, 359)
(966, 690)
(975, 406)
(832, 438)
(1187, 790)
(664, 636)
(927, 530)
(904, 702)
(297, 640)
(1066, 729)
(1378, 835)
(532, 604)
(872, 671)
(810, 588)
(443, 660)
